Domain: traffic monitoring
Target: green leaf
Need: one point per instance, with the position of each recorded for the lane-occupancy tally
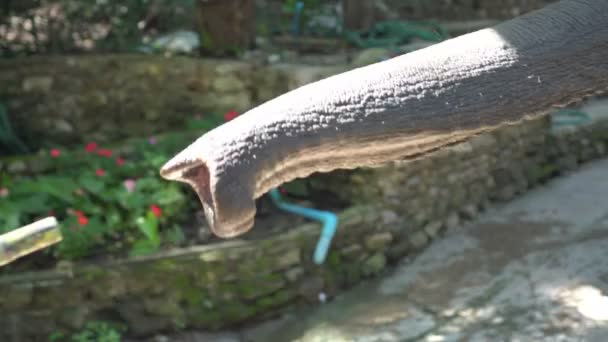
(202, 125)
(91, 184)
(175, 236)
(75, 244)
(297, 187)
(114, 218)
(56, 336)
(149, 227)
(168, 196)
(59, 187)
(34, 204)
(132, 201)
(9, 218)
(143, 247)
(89, 207)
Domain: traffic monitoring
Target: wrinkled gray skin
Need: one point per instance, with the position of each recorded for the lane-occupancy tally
(402, 108)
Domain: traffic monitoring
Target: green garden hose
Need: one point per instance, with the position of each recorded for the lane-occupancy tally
(394, 33)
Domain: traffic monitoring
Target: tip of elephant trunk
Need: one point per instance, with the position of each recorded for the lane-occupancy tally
(196, 174)
(175, 168)
(225, 215)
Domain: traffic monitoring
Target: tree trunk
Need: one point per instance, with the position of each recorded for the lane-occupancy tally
(226, 26)
(358, 14)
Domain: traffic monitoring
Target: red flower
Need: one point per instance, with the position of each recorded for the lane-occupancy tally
(104, 152)
(120, 161)
(100, 172)
(91, 147)
(83, 220)
(81, 217)
(156, 210)
(230, 115)
(55, 153)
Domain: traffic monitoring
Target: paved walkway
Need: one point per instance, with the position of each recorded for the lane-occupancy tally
(535, 269)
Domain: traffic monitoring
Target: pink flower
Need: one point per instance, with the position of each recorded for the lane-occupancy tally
(100, 172)
(230, 115)
(129, 185)
(104, 152)
(120, 161)
(152, 140)
(156, 210)
(4, 192)
(91, 147)
(55, 153)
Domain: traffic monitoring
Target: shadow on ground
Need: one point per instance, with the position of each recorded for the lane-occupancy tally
(533, 269)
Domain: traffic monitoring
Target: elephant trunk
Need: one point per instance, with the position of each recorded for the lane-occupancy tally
(399, 109)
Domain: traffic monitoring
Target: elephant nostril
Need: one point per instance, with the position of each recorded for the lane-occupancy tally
(198, 177)
(174, 169)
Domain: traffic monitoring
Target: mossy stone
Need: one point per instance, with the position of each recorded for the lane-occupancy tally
(258, 286)
(374, 264)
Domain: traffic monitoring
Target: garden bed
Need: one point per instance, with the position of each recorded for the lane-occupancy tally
(112, 203)
(393, 211)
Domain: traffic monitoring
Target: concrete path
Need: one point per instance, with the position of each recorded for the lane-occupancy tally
(535, 269)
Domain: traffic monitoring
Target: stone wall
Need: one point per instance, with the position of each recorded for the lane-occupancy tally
(400, 209)
(67, 100)
(361, 14)
(456, 183)
(456, 9)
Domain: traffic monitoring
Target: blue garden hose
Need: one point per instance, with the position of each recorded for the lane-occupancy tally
(295, 23)
(328, 219)
(570, 117)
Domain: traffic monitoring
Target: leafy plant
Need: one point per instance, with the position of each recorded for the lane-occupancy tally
(106, 200)
(151, 242)
(56, 336)
(93, 331)
(98, 198)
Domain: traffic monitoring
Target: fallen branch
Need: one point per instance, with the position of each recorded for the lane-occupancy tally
(28, 239)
